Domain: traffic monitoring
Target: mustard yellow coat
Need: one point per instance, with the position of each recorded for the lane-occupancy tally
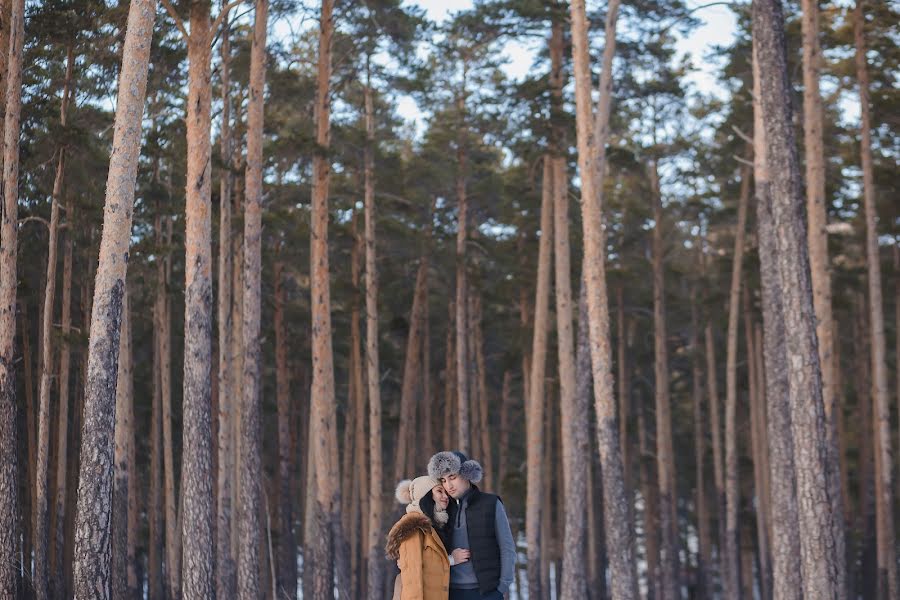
(424, 564)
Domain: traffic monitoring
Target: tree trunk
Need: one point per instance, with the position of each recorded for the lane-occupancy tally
(123, 550)
(462, 319)
(92, 528)
(58, 521)
(449, 440)
(591, 160)
(820, 550)
(155, 582)
(358, 401)
(41, 492)
(865, 523)
(172, 568)
(715, 425)
(9, 484)
(622, 332)
(650, 501)
(786, 575)
(373, 371)
(884, 505)
(237, 372)
(225, 568)
(535, 408)
(475, 428)
(731, 563)
(484, 417)
(505, 425)
(704, 539)
(427, 423)
(665, 467)
(287, 547)
(250, 473)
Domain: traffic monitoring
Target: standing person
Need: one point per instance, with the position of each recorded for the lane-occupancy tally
(417, 541)
(478, 523)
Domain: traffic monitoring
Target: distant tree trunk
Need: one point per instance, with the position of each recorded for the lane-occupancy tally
(731, 563)
(92, 525)
(867, 551)
(123, 550)
(173, 539)
(375, 574)
(665, 466)
(484, 417)
(58, 524)
(475, 427)
(535, 408)
(505, 426)
(354, 438)
(786, 575)
(155, 582)
(225, 568)
(11, 71)
(287, 547)
(650, 497)
(624, 389)
(462, 319)
(42, 492)
(715, 425)
(427, 422)
(251, 470)
(237, 374)
(884, 505)
(704, 539)
(591, 161)
(820, 551)
(449, 439)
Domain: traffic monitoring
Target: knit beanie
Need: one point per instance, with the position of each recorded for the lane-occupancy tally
(454, 462)
(410, 492)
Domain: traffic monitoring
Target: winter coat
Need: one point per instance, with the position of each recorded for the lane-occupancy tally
(424, 564)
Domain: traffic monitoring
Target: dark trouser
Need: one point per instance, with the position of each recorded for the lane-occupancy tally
(457, 594)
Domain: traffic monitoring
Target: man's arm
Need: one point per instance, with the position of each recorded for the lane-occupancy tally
(507, 549)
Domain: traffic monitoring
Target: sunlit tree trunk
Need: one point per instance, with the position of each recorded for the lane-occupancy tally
(92, 525)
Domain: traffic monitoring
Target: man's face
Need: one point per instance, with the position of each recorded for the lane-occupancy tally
(455, 485)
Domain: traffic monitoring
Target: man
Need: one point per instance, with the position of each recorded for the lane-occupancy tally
(478, 523)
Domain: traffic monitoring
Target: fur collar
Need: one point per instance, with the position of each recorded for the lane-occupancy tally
(408, 524)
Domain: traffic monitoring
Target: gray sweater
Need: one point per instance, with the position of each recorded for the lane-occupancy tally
(462, 576)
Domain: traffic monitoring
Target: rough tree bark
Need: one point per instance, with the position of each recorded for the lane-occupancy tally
(123, 548)
(42, 491)
(884, 504)
(591, 160)
(535, 408)
(92, 524)
(785, 542)
(819, 548)
(731, 562)
(665, 452)
(9, 484)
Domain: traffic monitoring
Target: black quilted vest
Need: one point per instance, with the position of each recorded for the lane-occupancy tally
(481, 519)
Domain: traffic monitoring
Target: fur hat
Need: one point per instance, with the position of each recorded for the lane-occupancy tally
(410, 492)
(445, 463)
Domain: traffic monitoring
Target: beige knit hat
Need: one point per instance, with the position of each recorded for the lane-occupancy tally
(409, 492)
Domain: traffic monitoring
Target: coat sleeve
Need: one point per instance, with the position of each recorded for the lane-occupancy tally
(411, 567)
(507, 549)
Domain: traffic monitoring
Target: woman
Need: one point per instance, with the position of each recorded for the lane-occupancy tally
(417, 544)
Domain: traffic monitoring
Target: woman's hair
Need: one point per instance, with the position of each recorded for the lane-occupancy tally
(428, 506)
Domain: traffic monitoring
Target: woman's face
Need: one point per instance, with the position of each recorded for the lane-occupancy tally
(441, 499)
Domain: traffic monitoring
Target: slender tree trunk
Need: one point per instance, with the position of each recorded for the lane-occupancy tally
(58, 521)
(505, 425)
(92, 526)
(624, 389)
(591, 160)
(155, 502)
(786, 574)
(287, 547)
(887, 554)
(535, 408)
(650, 501)
(358, 539)
(820, 551)
(29, 453)
(427, 424)
(704, 539)
(225, 568)
(865, 524)
(237, 374)
(123, 551)
(373, 370)
(665, 467)
(472, 364)
(484, 417)
(462, 319)
(715, 424)
(9, 484)
(450, 377)
(172, 568)
(731, 563)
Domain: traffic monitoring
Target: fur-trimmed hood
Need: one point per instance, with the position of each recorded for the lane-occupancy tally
(408, 524)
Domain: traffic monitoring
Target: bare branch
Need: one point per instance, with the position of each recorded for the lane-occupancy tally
(742, 135)
(223, 14)
(179, 22)
(743, 161)
(35, 218)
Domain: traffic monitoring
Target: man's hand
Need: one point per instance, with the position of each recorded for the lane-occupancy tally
(460, 555)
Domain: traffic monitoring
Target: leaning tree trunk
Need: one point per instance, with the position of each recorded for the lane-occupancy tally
(591, 161)
(9, 484)
(535, 408)
(123, 550)
(785, 542)
(884, 503)
(250, 473)
(42, 491)
(375, 574)
(92, 524)
(225, 568)
(197, 559)
(819, 549)
(731, 562)
(665, 453)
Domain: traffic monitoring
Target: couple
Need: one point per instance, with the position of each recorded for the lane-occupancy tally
(454, 540)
